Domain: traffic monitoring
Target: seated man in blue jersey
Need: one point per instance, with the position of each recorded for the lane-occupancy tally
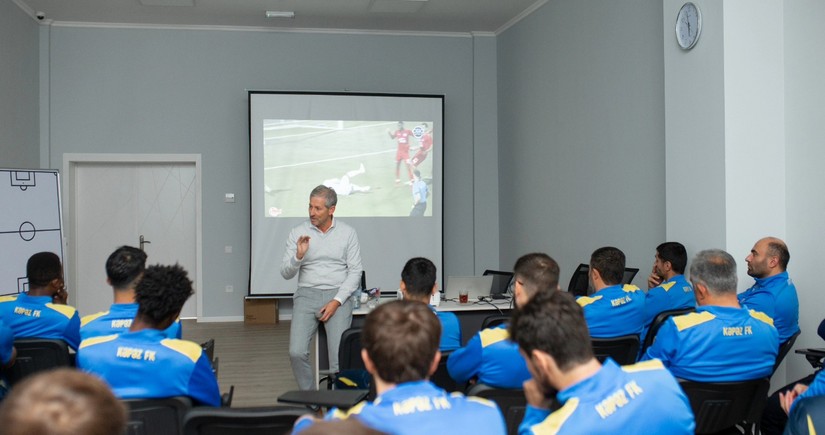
(124, 268)
(667, 287)
(773, 293)
(42, 311)
(490, 357)
(418, 284)
(613, 310)
(721, 341)
(143, 363)
(400, 340)
(642, 398)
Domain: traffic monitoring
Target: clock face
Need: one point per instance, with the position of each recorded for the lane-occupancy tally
(688, 26)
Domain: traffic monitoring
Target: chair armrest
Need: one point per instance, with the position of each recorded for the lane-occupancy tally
(813, 355)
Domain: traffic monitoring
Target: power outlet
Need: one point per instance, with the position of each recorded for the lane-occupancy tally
(230, 289)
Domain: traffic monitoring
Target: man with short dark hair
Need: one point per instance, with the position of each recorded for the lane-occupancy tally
(143, 363)
(490, 357)
(124, 268)
(400, 340)
(42, 311)
(773, 293)
(62, 402)
(721, 341)
(553, 337)
(418, 283)
(613, 310)
(667, 287)
(329, 271)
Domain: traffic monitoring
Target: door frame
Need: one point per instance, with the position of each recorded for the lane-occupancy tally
(70, 163)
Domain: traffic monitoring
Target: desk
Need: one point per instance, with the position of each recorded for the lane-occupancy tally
(470, 317)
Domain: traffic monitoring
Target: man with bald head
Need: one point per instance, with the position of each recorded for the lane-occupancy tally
(773, 293)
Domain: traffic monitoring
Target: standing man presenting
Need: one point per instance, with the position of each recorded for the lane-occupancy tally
(326, 256)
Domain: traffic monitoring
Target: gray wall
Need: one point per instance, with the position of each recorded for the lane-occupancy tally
(581, 132)
(19, 90)
(184, 91)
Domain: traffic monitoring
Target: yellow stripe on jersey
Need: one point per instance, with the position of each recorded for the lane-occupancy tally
(666, 286)
(693, 319)
(630, 288)
(758, 315)
(585, 300)
(552, 424)
(811, 428)
(493, 336)
(63, 309)
(8, 298)
(343, 415)
(88, 318)
(189, 349)
(97, 340)
(653, 364)
(482, 401)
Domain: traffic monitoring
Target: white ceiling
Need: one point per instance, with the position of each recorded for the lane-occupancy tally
(431, 16)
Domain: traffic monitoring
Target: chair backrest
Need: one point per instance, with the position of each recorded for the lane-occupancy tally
(629, 274)
(494, 320)
(38, 354)
(442, 377)
(579, 282)
(659, 320)
(623, 350)
(784, 348)
(157, 416)
(241, 421)
(502, 282)
(807, 417)
(512, 403)
(349, 351)
(719, 406)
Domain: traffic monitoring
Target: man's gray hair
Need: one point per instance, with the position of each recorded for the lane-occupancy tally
(716, 270)
(328, 193)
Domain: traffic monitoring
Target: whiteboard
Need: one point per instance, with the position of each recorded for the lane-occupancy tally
(30, 222)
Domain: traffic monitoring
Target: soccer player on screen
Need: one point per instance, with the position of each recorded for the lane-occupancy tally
(424, 149)
(402, 154)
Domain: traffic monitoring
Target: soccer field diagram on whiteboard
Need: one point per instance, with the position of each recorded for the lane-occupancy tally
(30, 222)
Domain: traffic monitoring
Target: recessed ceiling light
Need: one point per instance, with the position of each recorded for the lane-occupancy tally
(280, 14)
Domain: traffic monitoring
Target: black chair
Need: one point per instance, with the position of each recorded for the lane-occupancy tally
(629, 274)
(784, 348)
(502, 283)
(580, 282)
(156, 416)
(494, 320)
(36, 355)
(659, 320)
(349, 356)
(442, 378)
(512, 403)
(815, 356)
(241, 421)
(719, 406)
(623, 350)
(807, 417)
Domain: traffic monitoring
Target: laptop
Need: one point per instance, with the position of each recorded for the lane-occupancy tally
(475, 285)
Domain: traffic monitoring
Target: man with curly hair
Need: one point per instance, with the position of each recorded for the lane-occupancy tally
(143, 363)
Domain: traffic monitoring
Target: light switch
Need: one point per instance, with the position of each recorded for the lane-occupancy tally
(230, 197)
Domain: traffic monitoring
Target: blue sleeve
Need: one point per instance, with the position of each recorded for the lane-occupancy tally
(465, 363)
(6, 343)
(664, 344)
(760, 301)
(203, 386)
(532, 417)
(817, 388)
(450, 331)
(72, 332)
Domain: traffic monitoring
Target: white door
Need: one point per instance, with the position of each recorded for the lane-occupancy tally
(114, 203)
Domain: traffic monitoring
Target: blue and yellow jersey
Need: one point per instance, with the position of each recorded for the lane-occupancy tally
(492, 358)
(422, 408)
(147, 365)
(116, 321)
(450, 330)
(38, 317)
(614, 311)
(672, 294)
(775, 296)
(6, 343)
(641, 398)
(717, 344)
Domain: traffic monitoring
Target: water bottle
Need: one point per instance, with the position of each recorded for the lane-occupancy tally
(356, 299)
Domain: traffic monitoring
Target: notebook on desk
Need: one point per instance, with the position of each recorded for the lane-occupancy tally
(475, 285)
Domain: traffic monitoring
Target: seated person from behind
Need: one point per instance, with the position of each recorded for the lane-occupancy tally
(773, 293)
(642, 398)
(418, 284)
(7, 351)
(62, 402)
(613, 310)
(667, 287)
(721, 341)
(124, 268)
(42, 311)
(400, 341)
(490, 357)
(143, 363)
